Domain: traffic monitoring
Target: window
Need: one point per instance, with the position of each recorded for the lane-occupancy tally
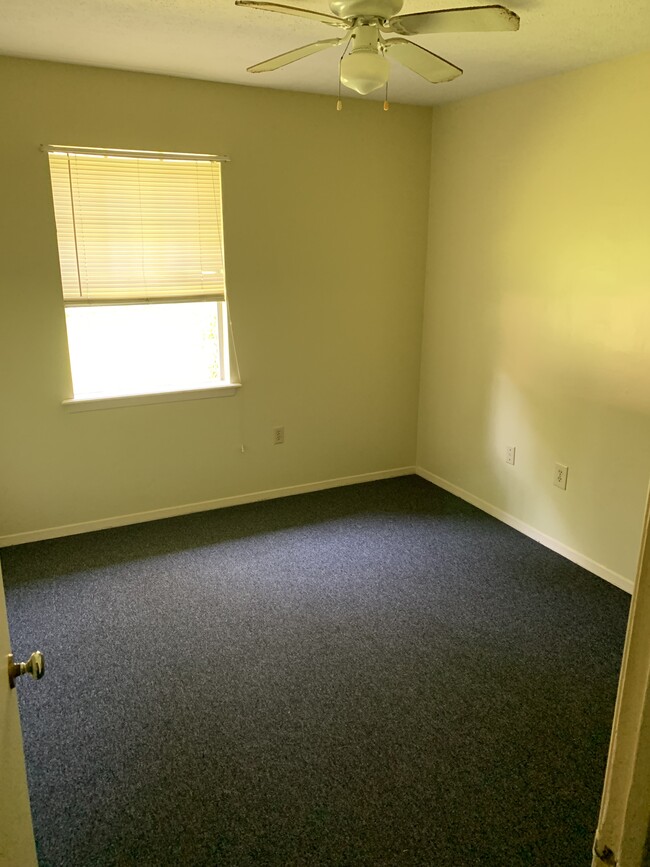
(142, 268)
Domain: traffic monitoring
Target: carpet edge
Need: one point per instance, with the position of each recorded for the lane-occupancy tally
(203, 506)
(620, 581)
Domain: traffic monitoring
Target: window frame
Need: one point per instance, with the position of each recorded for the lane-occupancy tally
(226, 385)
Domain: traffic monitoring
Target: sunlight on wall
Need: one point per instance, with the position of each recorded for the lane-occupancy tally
(579, 341)
(537, 306)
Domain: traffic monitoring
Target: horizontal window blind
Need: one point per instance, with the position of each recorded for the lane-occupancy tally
(133, 228)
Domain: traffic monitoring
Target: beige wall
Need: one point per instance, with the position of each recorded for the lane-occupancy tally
(537, 311)
(325, 222)
(536, 316)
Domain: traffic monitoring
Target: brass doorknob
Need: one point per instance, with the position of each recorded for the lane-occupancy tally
(35, 666)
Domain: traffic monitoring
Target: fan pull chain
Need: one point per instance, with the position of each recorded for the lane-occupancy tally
(339, 101)
(386, 103)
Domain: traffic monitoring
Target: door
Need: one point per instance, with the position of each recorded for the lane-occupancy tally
(16, 835)
(623, 836)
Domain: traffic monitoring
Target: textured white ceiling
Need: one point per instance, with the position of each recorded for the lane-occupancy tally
(215, 40)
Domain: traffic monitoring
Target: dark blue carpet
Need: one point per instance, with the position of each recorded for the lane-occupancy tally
(372, 675)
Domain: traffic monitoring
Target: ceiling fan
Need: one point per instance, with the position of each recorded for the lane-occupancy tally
(364, 65)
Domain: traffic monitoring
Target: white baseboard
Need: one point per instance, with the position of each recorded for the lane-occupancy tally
(256, 496)
(548, 541)
(189, 508)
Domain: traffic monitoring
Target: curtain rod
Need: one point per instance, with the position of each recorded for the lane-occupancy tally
(119, 152)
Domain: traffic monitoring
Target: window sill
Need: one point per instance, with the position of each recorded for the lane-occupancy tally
(85, 404)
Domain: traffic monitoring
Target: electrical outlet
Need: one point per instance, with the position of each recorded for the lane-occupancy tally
(559, 476)
(278, 435)
(510, 454)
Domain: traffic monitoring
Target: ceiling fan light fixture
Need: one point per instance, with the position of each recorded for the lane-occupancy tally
(364, 70)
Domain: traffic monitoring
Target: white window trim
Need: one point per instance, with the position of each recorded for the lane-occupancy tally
(228, 386)
(87, 404)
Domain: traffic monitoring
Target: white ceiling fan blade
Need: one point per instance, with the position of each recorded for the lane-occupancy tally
(323, 17)
(296, 54)
(425, 63)
(472, 19)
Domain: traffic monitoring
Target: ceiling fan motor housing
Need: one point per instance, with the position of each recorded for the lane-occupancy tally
(366, 8)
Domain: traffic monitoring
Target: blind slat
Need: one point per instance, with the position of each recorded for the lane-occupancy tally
(134, 228)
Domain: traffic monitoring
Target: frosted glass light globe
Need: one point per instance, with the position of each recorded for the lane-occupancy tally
(364, 70)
